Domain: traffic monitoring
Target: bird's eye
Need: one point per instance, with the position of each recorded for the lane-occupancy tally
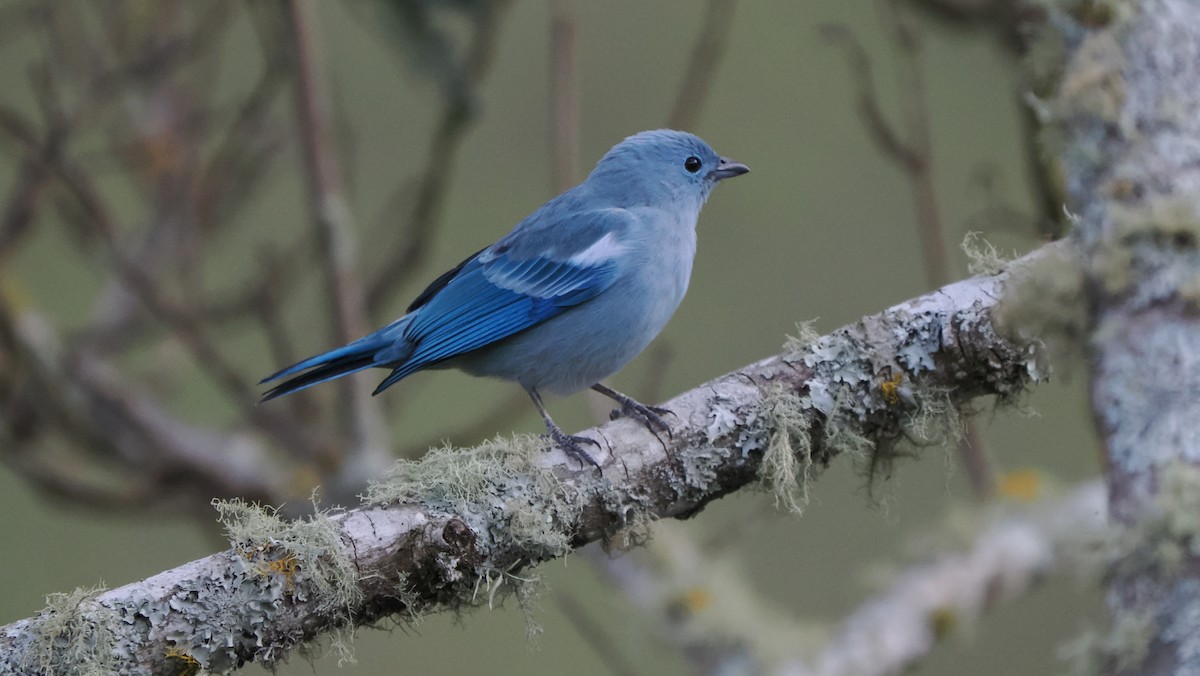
(692, 164)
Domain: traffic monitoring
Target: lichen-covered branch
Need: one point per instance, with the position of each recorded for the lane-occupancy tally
(1126, 118)
(460, 527)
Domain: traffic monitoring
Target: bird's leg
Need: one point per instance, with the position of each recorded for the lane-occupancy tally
(651, 415)
(568, 443)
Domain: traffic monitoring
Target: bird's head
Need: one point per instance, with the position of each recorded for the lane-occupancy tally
(655, 167)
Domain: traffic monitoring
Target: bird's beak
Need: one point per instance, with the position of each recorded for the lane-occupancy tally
(728, 168)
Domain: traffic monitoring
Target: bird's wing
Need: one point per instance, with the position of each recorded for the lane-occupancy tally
(519, 282)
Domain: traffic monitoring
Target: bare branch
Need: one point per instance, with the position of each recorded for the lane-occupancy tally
(881, 130)
(564, 97)
(694, 600)
(892, 632)
(702, 64)
(335, 237)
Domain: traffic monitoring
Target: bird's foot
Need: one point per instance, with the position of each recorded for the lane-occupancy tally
(651, 416)
(571, 446)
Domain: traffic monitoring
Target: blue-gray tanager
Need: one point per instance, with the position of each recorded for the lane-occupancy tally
(568, 297)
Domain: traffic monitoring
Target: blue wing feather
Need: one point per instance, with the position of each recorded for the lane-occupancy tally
(521, 281)
(494, 299)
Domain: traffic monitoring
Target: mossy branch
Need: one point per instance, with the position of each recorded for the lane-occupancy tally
(462, 527)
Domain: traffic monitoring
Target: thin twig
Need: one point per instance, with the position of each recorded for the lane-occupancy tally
(610, 652)
(935, 251)
(458, 113)
(187, 327)
(705, 57)
(564, 97)
(335, 237)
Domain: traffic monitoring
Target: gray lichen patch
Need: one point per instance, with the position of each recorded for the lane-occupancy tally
(838, 361)
(74, 634)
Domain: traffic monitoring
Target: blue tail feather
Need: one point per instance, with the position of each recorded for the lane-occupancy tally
(324, 371)
(385, 347)
(353, 349)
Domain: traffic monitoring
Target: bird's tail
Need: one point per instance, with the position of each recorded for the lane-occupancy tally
(376, 349)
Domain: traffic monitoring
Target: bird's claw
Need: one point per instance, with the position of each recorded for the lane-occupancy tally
(651, 416)
(571, 446)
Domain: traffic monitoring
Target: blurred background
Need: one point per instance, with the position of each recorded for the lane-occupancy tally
(173, 176)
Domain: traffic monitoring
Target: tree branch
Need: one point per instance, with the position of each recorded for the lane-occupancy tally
(460, 526)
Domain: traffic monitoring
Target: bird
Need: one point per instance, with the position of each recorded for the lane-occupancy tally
(563, 301)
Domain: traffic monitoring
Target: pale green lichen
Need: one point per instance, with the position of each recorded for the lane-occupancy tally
(311, 547)
(493, 586)
(806, 336)
(937, 420)
(337, 643)
(498, 478)
(528, 592)
(1155, 547)
(1179, 500)
(1169, 533)
(535, 530)
(787, 464)
(982, 256)
(459, 479)
(74, 634)
(341, 645)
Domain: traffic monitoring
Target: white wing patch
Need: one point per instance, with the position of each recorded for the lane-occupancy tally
(602, 250)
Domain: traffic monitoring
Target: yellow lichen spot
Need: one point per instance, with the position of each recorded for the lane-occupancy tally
(942, 622)
(696, 599)
(287, 566)
(891, 388)
(1022, 485)
(181, 663)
